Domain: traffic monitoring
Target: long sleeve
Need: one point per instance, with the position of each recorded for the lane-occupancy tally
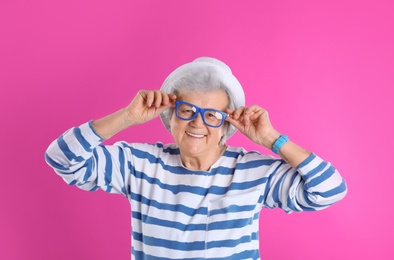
(179, 213)
(314, 185)
(81, 159)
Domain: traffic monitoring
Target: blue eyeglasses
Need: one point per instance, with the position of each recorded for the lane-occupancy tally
(210, 117)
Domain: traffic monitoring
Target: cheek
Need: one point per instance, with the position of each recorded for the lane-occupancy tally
(176, 125)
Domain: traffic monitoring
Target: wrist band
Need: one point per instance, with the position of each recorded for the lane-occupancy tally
(279, 143)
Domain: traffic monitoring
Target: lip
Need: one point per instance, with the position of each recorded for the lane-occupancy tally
(194, 135)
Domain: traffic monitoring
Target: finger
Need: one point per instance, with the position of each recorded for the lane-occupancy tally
(236, 123)
(150, 96)
(252, 109)
(168, 99)
(254, 112)
(165, 99)
(229, 111)
(158, 98)
(247, 113)
(246, 118)
(172, 98)
(237, 118)
(238, 113)
(255, 115)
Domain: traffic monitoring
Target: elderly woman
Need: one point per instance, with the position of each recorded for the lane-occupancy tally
(197, 198)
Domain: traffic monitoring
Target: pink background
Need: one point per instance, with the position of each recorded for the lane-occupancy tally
(323, 69)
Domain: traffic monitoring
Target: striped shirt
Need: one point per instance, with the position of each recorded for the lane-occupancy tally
(179, 213)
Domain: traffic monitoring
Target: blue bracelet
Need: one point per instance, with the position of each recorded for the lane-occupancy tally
(279, 143)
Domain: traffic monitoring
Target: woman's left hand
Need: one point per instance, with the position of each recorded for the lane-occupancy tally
(254, 123)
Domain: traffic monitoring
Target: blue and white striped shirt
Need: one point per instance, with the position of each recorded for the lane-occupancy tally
(179, 213)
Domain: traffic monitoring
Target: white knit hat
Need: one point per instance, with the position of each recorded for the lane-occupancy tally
(222, 73)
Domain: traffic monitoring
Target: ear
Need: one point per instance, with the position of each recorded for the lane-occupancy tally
(222, 140)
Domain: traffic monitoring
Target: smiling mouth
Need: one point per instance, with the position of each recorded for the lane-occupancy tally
(195, 135)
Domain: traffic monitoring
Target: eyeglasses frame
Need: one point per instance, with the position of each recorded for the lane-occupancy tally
(199, 111)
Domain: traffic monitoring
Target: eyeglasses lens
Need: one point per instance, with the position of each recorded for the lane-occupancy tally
(212, 117)
(186, 111)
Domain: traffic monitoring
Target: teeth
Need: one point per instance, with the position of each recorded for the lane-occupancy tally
(194, 135)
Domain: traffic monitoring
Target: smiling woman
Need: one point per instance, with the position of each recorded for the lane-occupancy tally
(197, 198)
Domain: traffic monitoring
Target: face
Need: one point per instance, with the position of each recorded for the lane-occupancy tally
(193, 137)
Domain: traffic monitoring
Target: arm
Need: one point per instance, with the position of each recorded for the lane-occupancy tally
(254, 123)
(303, 181)
(146, 106)
(292, 153)
(79, 157)
(314, 185)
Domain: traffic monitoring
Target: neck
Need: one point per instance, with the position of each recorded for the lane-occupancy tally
(204, 161)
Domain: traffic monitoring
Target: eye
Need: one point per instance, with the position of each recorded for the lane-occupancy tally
(186, 111)
(214, 114)
(210, 114)
(189, 109)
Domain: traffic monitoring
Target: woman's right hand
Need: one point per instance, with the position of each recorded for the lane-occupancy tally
(147, 105)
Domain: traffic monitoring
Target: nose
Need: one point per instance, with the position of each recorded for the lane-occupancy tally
(197, 121)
